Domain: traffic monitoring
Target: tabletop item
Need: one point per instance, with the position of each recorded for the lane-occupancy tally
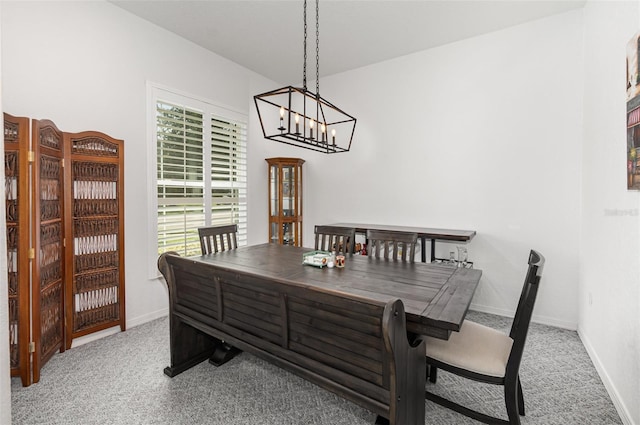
(317, 258)
(340, 261)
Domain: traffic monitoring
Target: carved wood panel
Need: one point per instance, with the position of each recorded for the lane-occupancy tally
(95, 298)
(17, 175)
(48, 233)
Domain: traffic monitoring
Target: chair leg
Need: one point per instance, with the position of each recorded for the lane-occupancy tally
(520, 399)
(432, 372)
(512, 400)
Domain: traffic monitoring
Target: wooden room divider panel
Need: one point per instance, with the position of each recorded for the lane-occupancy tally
(16, 188)
(48, 272)
(66, 249)
(96, 233)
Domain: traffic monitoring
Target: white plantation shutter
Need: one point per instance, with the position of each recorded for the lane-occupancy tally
(229, 173)
(192, 163)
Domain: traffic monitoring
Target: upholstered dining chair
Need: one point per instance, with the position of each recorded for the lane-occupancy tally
(392, 245)
(333, 238)
(486, 355)
(218, 238)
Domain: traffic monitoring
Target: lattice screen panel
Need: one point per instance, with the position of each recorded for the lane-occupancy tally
(48, 218)
(17, 175)
(96, 298)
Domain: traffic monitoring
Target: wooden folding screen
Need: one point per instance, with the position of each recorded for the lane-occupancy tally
(48, 273)
(66, 253)
(16, 188)
(95, 259)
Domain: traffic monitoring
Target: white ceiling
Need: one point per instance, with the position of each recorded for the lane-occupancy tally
(266, 35)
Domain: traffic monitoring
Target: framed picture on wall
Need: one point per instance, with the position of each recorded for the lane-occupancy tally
(633, 113)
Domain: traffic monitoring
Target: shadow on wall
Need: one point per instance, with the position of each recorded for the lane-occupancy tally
(503, 263)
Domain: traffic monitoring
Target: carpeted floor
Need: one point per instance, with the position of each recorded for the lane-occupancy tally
(120, 380)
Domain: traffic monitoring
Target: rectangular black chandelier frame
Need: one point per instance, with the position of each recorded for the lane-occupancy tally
(298, 110)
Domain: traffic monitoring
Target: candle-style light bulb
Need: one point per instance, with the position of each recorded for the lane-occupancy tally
(333, 136)
(281, 128)
(297, 123)
(323, 128)
(311, 129)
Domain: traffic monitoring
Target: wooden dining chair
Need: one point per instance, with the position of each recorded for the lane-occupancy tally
(333, 238)
(486, 355)
(392, 245)
(218, 238)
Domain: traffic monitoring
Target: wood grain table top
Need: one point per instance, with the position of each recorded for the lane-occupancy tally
(436, 297)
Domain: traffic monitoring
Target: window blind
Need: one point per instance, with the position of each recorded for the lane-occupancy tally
(201, 175)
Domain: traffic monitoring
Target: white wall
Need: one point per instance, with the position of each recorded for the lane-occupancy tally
(5, 372)
(482, 134)
(609, 296)
(85, 65)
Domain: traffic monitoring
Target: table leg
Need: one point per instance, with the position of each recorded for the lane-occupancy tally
(381, 420)
(189, 346)
(223, 353)
(423, 253)
(433, 250)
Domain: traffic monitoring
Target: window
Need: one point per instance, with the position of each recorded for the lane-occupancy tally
(200, 170)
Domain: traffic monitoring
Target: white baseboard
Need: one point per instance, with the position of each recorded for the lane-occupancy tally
(131, 323)
(543, 320)
(622, 410)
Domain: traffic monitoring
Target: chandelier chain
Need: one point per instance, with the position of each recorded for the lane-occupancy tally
(317, 49)
(319, 125)
(304, 67)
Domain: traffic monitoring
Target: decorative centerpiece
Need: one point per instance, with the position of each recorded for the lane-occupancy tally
(316, 258)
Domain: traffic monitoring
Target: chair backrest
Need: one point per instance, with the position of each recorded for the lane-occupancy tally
(394, 245)
(218, 238)
(332, 238)
(524, 311)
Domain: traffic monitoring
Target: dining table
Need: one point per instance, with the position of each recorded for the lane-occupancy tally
(355, 330)
(436, 296)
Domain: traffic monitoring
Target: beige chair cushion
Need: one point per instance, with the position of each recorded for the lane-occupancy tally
(476, 348)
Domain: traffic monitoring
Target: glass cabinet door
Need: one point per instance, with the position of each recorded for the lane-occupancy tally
(274, 190)
(288, 191)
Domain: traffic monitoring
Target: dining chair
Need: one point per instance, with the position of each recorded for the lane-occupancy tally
(218, 238)
(486, 355)
(394, 245)
(334, 238)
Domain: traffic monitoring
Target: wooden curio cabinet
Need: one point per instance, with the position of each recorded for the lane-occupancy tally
(285, 200)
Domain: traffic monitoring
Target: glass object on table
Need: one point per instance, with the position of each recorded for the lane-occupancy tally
(452, 258)
(462, 256)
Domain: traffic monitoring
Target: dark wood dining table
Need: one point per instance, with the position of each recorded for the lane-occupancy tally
(436, 297)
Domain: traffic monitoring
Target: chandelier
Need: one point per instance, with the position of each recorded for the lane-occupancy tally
(298, 117)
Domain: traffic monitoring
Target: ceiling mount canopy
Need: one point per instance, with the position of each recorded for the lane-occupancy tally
(299, 117)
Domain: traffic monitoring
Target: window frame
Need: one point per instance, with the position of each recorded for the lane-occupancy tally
(156, 92)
